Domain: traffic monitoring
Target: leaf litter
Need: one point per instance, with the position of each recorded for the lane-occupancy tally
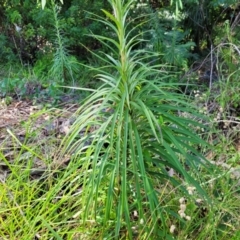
(29, 133)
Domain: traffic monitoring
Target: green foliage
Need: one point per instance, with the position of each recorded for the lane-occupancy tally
(202, 18)
(172, 46)
(170, 28)
(131, 153)
(6, 54)
(38, 27)
(48, 204)
(163, 33)
(63, 63)
(10, 85)
(43, 65)
(131, 130)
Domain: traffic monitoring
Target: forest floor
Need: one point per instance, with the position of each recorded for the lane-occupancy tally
(32, 131)
(43, 125)
(24, 123)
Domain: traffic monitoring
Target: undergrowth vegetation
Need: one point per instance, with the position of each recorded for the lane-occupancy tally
(127, 141)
